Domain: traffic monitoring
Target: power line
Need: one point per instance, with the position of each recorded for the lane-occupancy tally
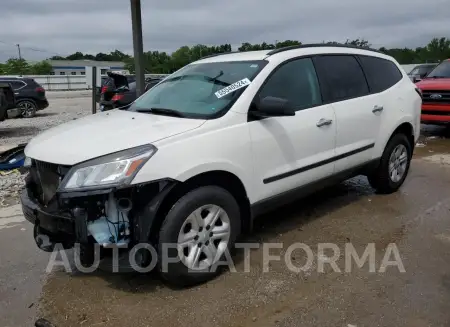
(32, 49)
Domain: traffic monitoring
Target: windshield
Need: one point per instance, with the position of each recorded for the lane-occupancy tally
(420, 70)
(204, 90)
(441, 71)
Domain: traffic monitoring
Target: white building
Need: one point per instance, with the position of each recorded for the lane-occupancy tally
(78, 67)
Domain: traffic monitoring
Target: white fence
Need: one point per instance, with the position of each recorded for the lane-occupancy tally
(68, 82)
(79, 82)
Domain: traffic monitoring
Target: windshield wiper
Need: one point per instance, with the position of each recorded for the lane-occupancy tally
(214, 80)
(163, 111)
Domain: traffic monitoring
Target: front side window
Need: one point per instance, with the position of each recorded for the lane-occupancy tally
(441, 71)
(295, 81)
(341, 77)
(200, 90)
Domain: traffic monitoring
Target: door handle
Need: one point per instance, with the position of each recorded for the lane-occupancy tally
(324, 122)
(377, 109)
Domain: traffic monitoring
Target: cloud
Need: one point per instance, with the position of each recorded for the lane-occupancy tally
(66, 26)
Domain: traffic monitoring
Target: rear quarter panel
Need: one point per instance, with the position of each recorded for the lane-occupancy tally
(403, 105)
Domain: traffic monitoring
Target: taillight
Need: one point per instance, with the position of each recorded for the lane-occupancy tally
(104, 89)
(40, 89)
(419, 92)
(117, 97)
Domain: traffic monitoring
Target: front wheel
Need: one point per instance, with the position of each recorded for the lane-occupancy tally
(196, 233)
(394, 165)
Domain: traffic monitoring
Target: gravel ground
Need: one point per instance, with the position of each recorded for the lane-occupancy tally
(64, 106)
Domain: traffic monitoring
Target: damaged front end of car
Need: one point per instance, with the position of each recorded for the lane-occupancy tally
(93, 202)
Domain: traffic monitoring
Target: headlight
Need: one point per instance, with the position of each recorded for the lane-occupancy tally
(112, 170)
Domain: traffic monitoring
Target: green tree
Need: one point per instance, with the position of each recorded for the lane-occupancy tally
(164, 63)
(76, 56)
(41, 68)
(15, 66)
(359, 43)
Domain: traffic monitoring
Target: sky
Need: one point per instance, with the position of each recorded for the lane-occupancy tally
(45, 28)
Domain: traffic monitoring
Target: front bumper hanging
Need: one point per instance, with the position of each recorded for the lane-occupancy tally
(65, 218)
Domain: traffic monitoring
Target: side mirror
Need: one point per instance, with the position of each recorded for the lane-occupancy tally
(273, 107)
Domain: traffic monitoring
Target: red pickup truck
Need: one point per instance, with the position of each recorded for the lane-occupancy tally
(435, 89)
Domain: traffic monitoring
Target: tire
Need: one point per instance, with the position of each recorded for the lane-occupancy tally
(180, 223)
(3, 106)
(27, 108)
(381, 179)
(87, 254)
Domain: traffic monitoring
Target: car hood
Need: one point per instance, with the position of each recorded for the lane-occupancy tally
(103, 133)
(434, 84)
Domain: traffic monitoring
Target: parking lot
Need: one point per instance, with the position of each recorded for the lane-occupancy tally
(415, 219)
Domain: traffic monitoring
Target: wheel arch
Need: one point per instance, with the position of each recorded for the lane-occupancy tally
(221, 178)
(26, 99)
(407, 129)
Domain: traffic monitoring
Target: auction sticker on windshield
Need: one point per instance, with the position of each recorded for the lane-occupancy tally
(233, 87)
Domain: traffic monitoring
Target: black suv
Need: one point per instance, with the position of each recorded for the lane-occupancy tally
(30, 95)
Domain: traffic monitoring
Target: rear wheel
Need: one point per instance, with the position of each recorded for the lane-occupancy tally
(198, 231)
(27, 108)
(3, 106)
(394, 165)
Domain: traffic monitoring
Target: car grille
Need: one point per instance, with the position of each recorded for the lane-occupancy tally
(436, 97)
(436, 112)
(46, 178)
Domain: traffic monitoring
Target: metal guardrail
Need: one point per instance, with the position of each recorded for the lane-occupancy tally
(69, 82)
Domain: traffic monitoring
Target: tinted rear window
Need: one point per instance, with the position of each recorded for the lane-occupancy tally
(16, 84)
(341, 77)
(381, 73)
(30, 82)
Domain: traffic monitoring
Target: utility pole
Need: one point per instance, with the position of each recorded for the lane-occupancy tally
(20, 58)
(138, 47)
(18, 48)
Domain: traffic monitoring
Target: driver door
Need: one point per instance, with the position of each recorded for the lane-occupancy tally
(293, 151)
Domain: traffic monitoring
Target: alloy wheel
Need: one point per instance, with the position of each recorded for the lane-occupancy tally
(204, 237)
(27, 109)
(398, 162)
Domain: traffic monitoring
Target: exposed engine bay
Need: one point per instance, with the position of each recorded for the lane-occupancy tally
(113, 227)
(110, 217)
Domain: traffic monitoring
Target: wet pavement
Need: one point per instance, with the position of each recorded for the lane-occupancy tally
(415, 219)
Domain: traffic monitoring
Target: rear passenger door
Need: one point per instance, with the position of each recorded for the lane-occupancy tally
(345, 87)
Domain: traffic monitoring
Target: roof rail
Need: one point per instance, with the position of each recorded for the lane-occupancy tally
(316, 45)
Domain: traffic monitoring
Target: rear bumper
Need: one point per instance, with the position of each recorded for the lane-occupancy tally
(41, 104)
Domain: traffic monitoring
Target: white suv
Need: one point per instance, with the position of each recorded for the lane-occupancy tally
(195, 159)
